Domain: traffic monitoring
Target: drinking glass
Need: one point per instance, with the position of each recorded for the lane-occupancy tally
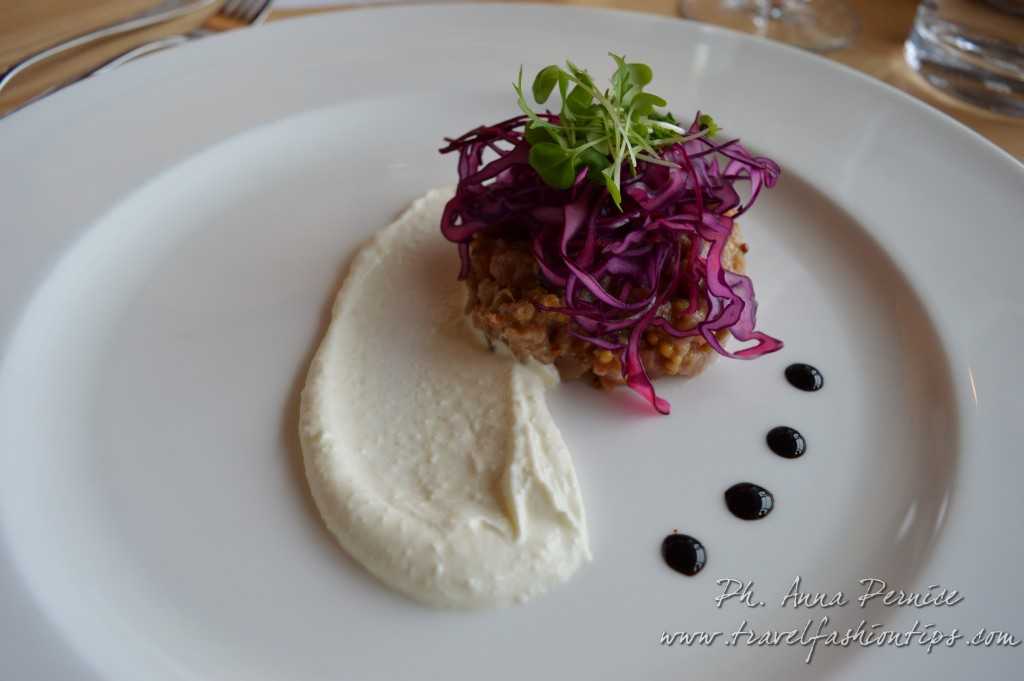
(972, 49)
(817, 25)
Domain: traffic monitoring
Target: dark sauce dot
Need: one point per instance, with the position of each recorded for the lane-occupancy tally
(683, 553)
(804, 377)
(749, 501)
(786, 442)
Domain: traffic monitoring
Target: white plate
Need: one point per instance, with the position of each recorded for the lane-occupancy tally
(174, 232)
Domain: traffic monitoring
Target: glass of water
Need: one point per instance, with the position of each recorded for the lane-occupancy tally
(818, 25)
(972, 49)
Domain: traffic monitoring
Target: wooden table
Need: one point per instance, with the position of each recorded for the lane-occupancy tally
(877, 50)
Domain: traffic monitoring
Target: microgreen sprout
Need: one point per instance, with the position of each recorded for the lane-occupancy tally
(601, 131)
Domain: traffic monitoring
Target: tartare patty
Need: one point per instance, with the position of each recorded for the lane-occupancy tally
(510, 303)
(626, 210)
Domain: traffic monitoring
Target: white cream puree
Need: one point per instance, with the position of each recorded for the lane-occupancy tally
(434, 461)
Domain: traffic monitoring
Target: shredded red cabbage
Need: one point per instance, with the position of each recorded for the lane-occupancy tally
(618, 267)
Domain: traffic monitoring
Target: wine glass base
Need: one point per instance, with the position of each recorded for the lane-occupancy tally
(817, 25)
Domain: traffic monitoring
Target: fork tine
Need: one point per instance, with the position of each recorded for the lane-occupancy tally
(262, 11)
(245, 10)
(248, 11)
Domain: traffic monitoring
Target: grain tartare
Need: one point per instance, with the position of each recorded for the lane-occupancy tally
(603, 239)
(510, 302)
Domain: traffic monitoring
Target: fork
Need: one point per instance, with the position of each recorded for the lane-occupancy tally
(246, 12)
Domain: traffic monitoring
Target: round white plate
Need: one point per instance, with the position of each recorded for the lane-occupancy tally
(172, 236)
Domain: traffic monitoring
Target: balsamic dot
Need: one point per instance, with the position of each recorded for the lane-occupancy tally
(786, 442)
(683, 554)
(749, 501)
(804, 377)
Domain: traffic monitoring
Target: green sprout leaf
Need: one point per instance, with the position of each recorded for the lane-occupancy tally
(580, 101)
(537, 136)
(707, 124)
(580, 75)
(641, 74)
(554, 164)
(612, 183)
(595, 160)
(645, 102)
(545, 82)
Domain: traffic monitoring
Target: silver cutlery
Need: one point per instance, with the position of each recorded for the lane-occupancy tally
(249, 12)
